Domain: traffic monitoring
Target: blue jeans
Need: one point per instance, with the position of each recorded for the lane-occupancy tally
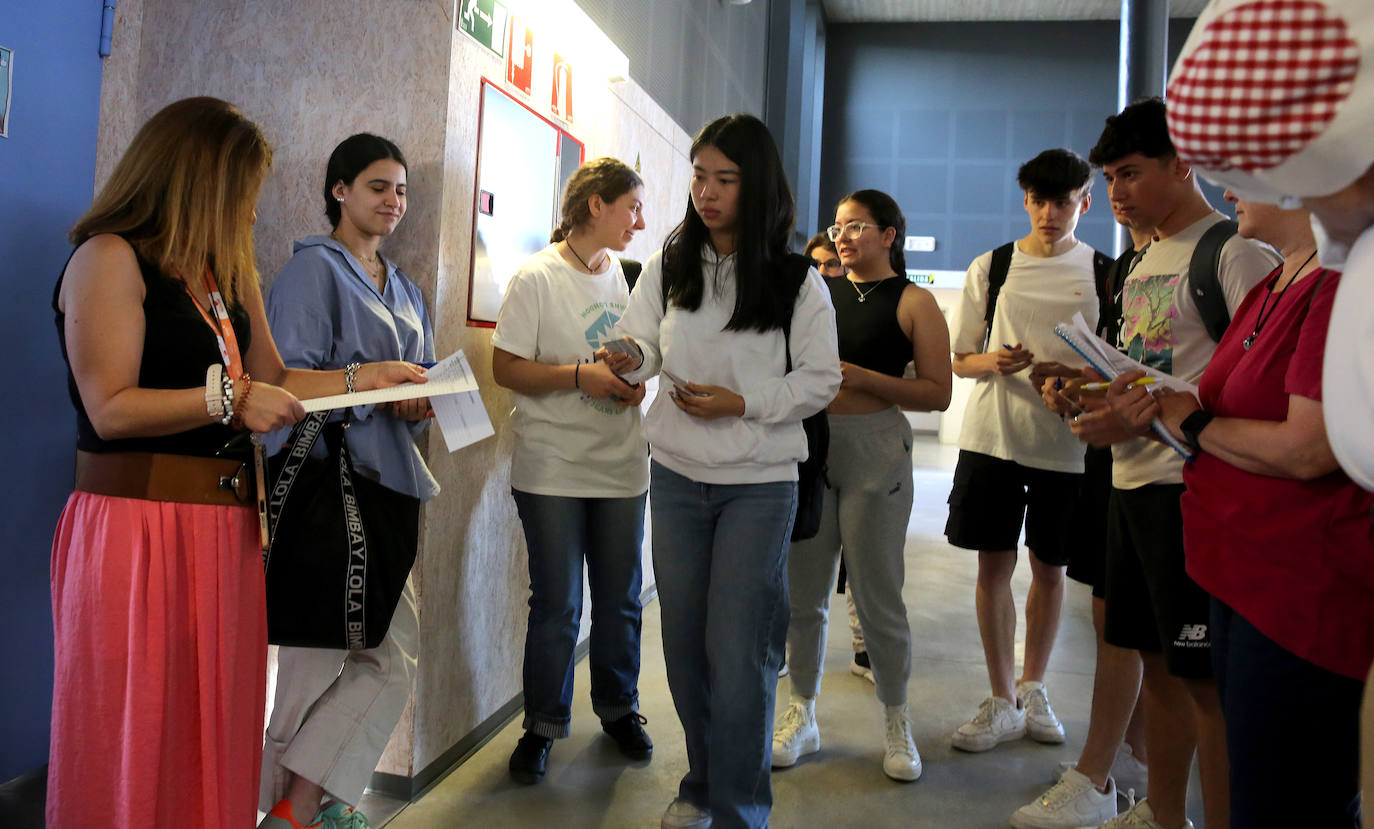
(561, 532)
(720, 556)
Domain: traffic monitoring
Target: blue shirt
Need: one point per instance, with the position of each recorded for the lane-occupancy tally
(324, 313)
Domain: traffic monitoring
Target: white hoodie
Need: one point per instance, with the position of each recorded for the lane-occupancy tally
(765, 444)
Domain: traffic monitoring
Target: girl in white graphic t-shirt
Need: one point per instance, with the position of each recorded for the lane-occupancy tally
(579, 472)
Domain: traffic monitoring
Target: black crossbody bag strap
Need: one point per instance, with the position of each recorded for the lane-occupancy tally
(997, 277)
(300, 443)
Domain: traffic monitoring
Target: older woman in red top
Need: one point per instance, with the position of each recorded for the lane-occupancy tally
(1280, 537)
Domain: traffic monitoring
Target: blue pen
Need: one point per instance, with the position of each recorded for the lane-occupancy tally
(1007, 347)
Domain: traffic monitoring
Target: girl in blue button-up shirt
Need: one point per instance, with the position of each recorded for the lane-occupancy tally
(339, 301)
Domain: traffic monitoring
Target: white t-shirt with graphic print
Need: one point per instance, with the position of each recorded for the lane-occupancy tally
(1161, 327)
(567, 443)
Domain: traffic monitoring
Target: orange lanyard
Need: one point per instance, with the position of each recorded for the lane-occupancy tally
(221, 325)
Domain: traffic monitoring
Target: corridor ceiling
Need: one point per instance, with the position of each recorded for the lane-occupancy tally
(914, 11)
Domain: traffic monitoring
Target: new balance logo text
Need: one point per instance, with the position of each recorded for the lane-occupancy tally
(1192, 636)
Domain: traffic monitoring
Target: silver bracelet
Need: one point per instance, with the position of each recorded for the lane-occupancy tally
(350, 374)
(227, 390)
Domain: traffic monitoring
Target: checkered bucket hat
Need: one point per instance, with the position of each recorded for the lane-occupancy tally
(1275, 98)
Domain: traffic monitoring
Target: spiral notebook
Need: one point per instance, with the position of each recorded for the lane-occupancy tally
(1110, 363)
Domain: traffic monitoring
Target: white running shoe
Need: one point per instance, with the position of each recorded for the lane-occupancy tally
(902, 761)
(1139, 816)
(795, 736)
(997, 721)
(1127, 771)
(684, 814)
(1041, 723)
(1072, 802)
(861, 667)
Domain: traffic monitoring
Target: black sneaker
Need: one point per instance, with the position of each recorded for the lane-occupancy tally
(530, 760)
(628, 733)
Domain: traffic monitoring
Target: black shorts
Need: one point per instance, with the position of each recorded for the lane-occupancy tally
(1088, 550)
(1152, 603)
(992, 497)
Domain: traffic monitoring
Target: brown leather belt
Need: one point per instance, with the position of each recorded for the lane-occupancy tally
(154, 476)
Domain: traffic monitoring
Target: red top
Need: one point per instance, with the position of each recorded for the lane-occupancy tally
(1295, 558)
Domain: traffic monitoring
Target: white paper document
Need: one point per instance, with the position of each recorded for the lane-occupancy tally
(462, 416)
(1107, 360)
(442, 381)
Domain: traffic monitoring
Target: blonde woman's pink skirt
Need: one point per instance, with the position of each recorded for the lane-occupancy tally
(161, 661)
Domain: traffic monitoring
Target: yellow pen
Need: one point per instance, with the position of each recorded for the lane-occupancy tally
(1144, 381)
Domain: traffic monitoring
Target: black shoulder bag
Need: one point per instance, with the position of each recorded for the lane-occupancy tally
(341, 545)
(811, 479)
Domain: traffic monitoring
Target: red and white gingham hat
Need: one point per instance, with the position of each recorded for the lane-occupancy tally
(1275, 98)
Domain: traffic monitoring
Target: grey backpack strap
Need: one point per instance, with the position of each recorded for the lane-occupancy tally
(1204, 279)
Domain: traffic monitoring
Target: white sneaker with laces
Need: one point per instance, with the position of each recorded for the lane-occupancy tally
(684, 814)
(1072, 802)
(1041, 723)
(1126, 770)
(902, 761)
(1139, 816)
(997, 721)
(795, 735)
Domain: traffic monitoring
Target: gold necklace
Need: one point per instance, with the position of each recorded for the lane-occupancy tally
(863, 295)
(370, 260)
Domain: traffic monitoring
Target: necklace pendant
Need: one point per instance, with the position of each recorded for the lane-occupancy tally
(863, 298)
(1248, 341)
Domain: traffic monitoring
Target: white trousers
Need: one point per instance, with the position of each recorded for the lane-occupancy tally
(334, 711)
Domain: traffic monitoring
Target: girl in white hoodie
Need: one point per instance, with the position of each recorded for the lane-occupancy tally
(709, 314)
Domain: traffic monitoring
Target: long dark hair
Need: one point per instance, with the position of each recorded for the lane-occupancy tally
(353, 155)
(765, 218)
(886, 213)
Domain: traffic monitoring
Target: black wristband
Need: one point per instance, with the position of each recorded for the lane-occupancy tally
(577, 382)
(1192, 427)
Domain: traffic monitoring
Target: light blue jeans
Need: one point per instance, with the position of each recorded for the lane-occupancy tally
(561, 533)
(720, 556)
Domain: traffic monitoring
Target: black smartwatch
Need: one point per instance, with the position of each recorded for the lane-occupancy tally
(1192, 427)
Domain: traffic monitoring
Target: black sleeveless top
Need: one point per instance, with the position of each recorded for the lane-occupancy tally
(177, 349)
(868, 330)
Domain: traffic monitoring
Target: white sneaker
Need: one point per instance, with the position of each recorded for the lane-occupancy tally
(997, 721)
(1041, 723)
(795, 736)
(1127, 771)
(902, 761)
(1139, 816)
(1073, 801)
(684, 814)
(861, 667)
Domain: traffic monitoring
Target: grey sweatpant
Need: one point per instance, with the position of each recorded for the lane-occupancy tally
(865, 513)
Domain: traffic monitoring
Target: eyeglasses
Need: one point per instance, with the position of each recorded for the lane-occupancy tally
(829, 266)
(850, 231)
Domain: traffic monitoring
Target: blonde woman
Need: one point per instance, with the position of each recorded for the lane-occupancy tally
(157, 585)
(580, 468)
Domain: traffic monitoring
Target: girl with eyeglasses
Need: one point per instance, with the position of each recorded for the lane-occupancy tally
(821, 250)
(710, 313)
(884, 323)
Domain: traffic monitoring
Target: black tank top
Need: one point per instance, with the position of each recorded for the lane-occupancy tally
(177, 349)
(868, 330)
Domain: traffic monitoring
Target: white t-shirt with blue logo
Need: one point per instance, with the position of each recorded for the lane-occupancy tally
(567, 443)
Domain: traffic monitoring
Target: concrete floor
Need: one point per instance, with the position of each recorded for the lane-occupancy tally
(590, 785)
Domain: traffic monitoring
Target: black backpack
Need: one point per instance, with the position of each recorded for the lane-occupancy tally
(1203, 281)
(1001, 265)
(811, 477)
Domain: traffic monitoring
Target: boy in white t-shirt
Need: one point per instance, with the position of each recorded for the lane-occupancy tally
(1017, 463)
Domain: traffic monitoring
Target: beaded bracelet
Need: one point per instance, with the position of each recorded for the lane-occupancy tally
(247, 383)
(227, 399)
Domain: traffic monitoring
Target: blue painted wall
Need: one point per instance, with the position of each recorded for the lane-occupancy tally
(940, 115)
(47, 166)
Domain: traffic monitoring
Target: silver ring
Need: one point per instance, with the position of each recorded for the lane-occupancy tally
(1074, 421)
